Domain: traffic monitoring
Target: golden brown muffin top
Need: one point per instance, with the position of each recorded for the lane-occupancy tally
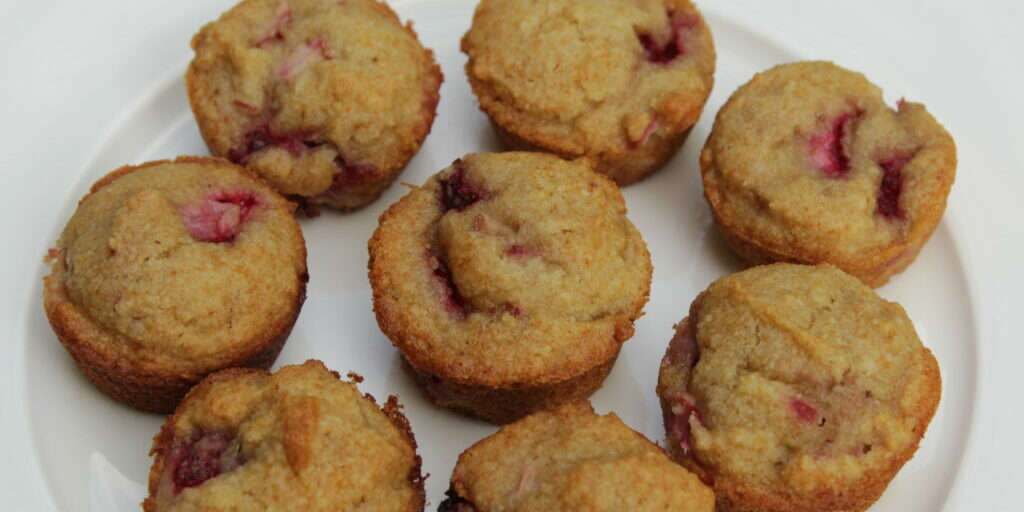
(509, 267)
(300, 439)
(175, 266)
(808, 160)
(570, 459)
(590, 76)
(309, 93)
(805, 381)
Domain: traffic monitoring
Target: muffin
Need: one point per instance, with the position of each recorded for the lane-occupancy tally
(806, 164)
(508, 282)
(171, 270)
(300, 439)
(618, 81)
(327, 101)
(796, 388)
(569, 458)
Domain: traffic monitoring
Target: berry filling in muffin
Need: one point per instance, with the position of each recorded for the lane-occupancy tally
(200, 458)
(219, 217)
(828, 151)
(666, 51)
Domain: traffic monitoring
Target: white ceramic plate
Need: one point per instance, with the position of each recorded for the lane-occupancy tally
(78, 450)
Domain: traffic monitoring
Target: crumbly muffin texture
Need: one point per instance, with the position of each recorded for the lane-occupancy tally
(796, 388)
(176, 267)
(300, 439)
(325, 100)
(808, 164)
(509, 268)
(571, 459)
(601, 78)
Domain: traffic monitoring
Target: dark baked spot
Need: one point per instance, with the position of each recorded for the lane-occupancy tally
(202, 457)
(891, 187)
(456, 193)
(455, 503)
(664, 52)
(264, 137)
(219, 216)
(452, 301)
(828, 151)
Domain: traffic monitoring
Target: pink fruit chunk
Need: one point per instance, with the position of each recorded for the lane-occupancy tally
(828, 151)
(521, 251)
(648, 131)
(889, 191)
(200, 458)
(682, 412)
(803, 411)
(456, 193)
(263, 137)
(275, 30)
(445, 287)
(668, 51)
(302, 57)
(218, 217)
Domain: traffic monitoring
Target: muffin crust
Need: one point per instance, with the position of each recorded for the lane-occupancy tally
(796, 388)
(327, 101)
(618, 81)
(506, 277)
(171, 270)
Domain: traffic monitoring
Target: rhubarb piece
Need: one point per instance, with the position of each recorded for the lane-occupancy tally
(828, 151)
(275, 31)
(302, 57)
(218, 217)
(452, 301)
(682, 411)
(671, 49)
(201, 458)
(803, 411)
(891, 187)
(456, 193)
(263, 137)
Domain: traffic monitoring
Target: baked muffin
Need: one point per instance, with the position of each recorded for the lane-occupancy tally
(618, 81)
(570, 459)
(300, 439)
(806, 164)
(327, 101)
(792, 388)
(508, 282)
(172, 270)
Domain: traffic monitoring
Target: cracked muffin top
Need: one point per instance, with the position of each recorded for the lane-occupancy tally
(509, 267)
(248, 440)
(324, 100)
(797, 383)
(807, 161)
(177, 266)
(590, 77)
(571, 459)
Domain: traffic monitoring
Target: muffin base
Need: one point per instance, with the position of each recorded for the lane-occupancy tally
(625, 168)
(146, 391)
(872, 271)
(164, 440)
(501, 405)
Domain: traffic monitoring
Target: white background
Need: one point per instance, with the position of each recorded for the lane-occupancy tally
(72, 73)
